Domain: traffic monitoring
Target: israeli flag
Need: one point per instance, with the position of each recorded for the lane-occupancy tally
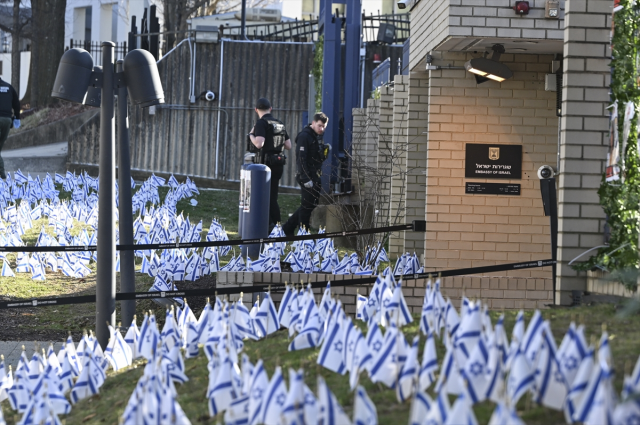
(517, 336)
(420, 408)
(259, 384)
(221, 392)
(6, 270)
(309, 335)
(293, 409)
(429, 364)
(274, 399)
(533, 338)
(461, 413)
(284, 311)
(238, 411)
(596, 407)
(331, 412)
(504, 415)
(398, 310)
(450, 381)
(550, 385)
(439, 412)
(364, 411)
(331, 354)
(521, 378)
(149, 336)
(475, 373)
(408, 377)
(571, 352)
(131, 338)
(627, 412)
(386, 364)
(361, 359)
(266, 320)
(118, 352)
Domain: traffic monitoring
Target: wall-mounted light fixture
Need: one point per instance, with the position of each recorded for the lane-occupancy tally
(489, 69)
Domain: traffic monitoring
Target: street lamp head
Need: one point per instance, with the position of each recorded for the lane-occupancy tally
(143, 80)
(74, 75)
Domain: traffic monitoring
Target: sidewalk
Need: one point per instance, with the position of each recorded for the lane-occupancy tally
(37, 160)
(13, 349)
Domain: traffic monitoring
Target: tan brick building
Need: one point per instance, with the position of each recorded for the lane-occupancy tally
(434, 113)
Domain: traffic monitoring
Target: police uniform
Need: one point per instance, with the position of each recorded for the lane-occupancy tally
(9, 108)
(309, 158)
(272, 156)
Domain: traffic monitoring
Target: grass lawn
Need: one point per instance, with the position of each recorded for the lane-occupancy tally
(222, 204)
(110, 403)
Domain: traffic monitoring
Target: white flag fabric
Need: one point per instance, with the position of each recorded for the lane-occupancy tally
(439, 411)
(259, 384)
(331, 354)
(118, 351)
(579, 385)
(274, 399)
(266, 320)
(420, 408)
(429, 363)
(330, 411)
(293, 409)
(461, 413)
(364, 411)
(521, 377)
(408, 377)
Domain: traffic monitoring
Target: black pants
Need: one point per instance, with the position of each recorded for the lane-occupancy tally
(274, 208)
(308, 201)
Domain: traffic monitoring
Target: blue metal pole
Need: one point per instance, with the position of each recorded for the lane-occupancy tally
(351, 74)
(332, 63)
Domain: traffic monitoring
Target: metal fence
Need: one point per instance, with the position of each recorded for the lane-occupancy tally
(291, 31)
(371, 26)
(95, 48)
(208, 139)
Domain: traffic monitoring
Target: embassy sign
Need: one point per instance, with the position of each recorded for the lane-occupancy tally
(493, 161)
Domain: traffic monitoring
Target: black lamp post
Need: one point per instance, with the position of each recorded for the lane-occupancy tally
(138, 74)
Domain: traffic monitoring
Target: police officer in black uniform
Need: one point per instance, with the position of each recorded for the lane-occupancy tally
(9, 114)
(268, 139)
(310, 154)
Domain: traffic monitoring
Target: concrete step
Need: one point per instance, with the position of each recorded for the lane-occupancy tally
(37, 160)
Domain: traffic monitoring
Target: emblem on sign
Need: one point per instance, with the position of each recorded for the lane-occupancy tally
(494, 154)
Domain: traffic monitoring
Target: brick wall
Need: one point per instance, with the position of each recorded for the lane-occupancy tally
(454, 24)
(429, 26)
(497, 291)
(480, 230)
(584, 136)
(398, 159)
(417, 126)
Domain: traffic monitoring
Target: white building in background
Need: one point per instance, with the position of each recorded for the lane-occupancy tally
(309, 9)
(100, 20)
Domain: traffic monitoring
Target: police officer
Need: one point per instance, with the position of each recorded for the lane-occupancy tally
(268, 140)
(9, 114)
(310, 154)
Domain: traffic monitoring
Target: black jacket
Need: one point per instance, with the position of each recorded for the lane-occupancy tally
(309, 157)
(9, 102)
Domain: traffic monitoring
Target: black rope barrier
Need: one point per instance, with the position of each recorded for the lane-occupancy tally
(416, 226)
(85, 299)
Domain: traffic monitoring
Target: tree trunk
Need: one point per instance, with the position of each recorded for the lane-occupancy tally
(47, 48)
(15, 47)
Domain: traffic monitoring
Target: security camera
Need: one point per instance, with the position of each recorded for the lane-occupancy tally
(210, 96)
(546, 172)
(405, 4)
